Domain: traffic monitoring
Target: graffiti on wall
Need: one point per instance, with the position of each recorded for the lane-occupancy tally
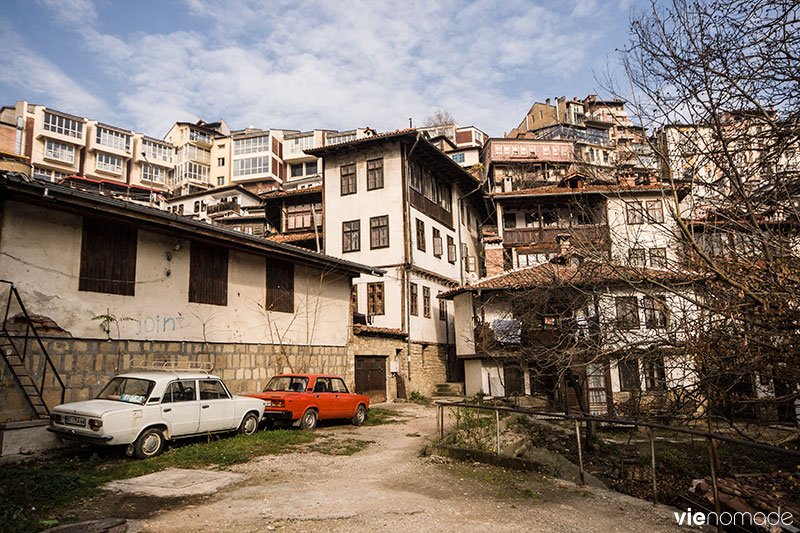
(157, 324)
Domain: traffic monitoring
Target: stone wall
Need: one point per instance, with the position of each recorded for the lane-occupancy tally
(428, 362)
(86, 365)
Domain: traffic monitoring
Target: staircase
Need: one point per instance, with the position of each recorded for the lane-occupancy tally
(17, 346)
(449, 389)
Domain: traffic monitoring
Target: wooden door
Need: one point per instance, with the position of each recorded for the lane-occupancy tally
(371, 377)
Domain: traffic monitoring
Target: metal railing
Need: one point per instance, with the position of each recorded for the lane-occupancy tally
(708, 436)
(47, 363)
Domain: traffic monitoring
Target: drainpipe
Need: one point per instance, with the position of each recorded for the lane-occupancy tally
(409, 266)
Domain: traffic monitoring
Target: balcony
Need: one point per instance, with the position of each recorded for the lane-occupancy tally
(592, 235)
(223, 208)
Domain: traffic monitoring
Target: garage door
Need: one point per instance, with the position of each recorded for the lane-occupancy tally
(371, 377)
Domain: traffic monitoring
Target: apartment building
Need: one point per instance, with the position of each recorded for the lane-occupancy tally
(462, 144)
(230, 205)
(193, 146)
(396, 202)
(97, 156)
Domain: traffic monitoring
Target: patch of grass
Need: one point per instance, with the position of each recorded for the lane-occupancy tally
(340, 447)
(30, 493)
(419, 398)
(378, 416)
(501, 482)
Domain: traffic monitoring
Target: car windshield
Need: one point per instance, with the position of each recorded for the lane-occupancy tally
(287, 384)
(129, 390)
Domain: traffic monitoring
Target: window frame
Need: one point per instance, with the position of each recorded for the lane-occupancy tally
(426, 302)
(627, 312)
(375, 174)
(354, 234)
(634, 213)
(438, 251)
(413, 299)
(451, 249)
(420, 235)
(379, 226)
(376, 299)
(442, 307)
(348, 179)
(208, 274)
(279, 286)
(108, 257)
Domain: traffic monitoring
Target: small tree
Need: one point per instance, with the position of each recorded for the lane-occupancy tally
(440, 117)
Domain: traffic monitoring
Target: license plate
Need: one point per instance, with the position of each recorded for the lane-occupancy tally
(75, 420)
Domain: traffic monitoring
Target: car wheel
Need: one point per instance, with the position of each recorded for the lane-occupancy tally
(149, 444)
(249, 424)
(360, 416)
(309, 420)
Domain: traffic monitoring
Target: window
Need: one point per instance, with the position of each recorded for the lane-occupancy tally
(180, 391)
(375, 174)
(413, 299)
(426, 302)
(154, 174)
(109, 163)
(509, 220)
(654, 374)
(212, 389)
(655, 211)
(354, 298)
(280, 286)
(220, 180)
(458, 158)
(63, 125)
(251, 145)
(420, 235)
(113, 139)
(208, 274)
(655, 312)
(197, 206)
(627, 312)
(300, 216)
(375, 304)
(469, 263)
(220, 161)
(348, 173)
(437, 243)
(62, 152)
(634, 213)
(628, 374)
(658, 257)
(156, 150)
(108, 257)
(252, 165)
(451, 250)
(199, 136)
(442, 307)
(311, 168)
(351, 236)
(296, 169)
(636, 257)
(379, 232)
(191, 172)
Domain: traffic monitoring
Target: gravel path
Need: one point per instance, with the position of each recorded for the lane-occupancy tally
(388, 486)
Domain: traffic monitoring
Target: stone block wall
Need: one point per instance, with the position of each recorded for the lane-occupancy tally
(86, 365)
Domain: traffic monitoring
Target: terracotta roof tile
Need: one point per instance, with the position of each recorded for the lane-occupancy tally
(276, 193)
(359, 329)
(292, 237)
(555, 189)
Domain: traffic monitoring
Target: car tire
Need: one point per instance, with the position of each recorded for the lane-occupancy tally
(309, 420)
(249, 424)
(149, 444)
(360, 417)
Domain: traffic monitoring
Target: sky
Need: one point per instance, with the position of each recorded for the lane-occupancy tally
(145, 64)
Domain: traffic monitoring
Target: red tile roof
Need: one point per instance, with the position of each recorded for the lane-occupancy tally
(292, 237)
(551, 274)
(276, 193)
(360, 329)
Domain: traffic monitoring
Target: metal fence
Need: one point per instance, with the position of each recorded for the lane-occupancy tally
(576, 419)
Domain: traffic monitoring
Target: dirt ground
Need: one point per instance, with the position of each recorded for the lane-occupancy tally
(387, 486)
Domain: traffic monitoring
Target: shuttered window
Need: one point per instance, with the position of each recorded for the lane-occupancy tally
(208, 274)
(280, 286)
(108, 257)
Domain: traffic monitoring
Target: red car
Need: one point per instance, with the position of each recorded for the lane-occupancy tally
(311, 397)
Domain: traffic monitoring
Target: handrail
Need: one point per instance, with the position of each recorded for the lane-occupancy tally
(704, 434)
(30, 327)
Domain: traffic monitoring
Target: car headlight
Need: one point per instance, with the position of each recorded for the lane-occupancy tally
(56, 418)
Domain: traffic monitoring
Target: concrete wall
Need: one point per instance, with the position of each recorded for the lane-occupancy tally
(86, 365)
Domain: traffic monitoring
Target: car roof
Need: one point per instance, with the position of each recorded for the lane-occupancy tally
(300, 375)
(155, 375)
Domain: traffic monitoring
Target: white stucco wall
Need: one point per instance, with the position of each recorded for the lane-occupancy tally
(40, 252)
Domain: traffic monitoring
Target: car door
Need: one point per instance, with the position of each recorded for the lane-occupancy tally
(180, 408)
(216, 407)
(345, 402)
(324, 398)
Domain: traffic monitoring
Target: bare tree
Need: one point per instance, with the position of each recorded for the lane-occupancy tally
(440, 117)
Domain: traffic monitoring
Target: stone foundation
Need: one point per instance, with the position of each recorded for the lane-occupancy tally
(86, 365)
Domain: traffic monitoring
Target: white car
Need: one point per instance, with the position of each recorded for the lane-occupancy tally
(144, 409)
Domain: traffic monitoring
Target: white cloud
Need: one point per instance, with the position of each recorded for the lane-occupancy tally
(336, 65)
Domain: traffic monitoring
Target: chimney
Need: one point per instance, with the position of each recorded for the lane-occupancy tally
(494, 258)
(547, 102)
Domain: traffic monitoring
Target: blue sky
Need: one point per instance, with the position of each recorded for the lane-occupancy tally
(306, 64)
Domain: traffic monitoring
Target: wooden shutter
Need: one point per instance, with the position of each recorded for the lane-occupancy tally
(108, 257)
(280, 286)
(208, 274)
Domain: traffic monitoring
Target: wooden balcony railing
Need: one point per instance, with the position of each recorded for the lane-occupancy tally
(595, 235)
